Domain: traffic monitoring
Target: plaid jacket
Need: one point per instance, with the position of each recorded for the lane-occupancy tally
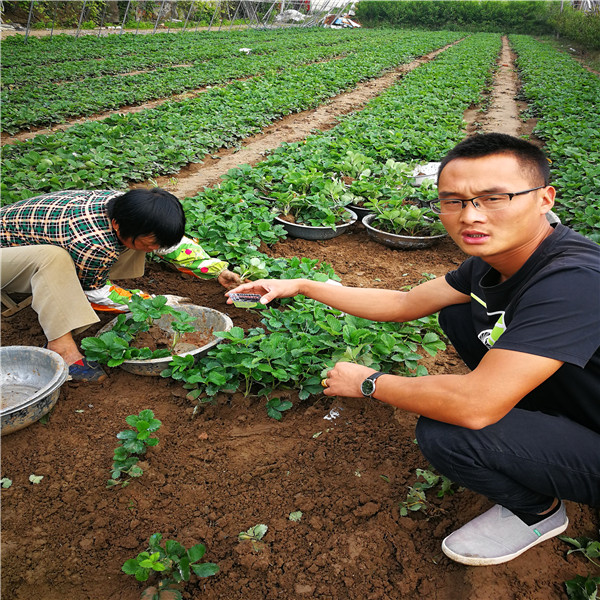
(75, 220)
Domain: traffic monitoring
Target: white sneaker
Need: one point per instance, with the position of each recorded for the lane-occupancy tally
(498, 536)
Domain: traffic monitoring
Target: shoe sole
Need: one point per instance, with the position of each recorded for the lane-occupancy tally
(478, 561)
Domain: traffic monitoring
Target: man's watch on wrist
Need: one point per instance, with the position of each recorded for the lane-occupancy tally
(367, 387)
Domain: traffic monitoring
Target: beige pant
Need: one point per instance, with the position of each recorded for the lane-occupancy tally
(48, 274)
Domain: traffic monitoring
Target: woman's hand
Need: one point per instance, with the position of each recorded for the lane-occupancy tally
(228, 279)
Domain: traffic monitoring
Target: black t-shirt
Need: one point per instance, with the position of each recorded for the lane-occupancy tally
(550, 307)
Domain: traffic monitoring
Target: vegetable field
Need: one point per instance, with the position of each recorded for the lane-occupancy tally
(246, 438)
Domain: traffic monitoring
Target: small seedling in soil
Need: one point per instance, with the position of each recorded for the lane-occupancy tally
(255, 533)
(296, 516)
(588, 547)
(416, 499)
(5, 482)
(183, 323)
(134, 442)
(583, 588)
(173, 564)
(35, 479)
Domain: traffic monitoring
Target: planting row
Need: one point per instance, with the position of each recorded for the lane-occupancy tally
(33, 106)
(235, 218)
(137, 146)
(36, 105)
(195, 46)
(563, 96)
(356, 162)
(180, 49)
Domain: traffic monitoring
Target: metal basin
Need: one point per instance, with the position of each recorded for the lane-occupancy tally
(400, 242)
(30, 382)
(206, 319)
(309, 232)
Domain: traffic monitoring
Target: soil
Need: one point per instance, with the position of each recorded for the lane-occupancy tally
(229, 466)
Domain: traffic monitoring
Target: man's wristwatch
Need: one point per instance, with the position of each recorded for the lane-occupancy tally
(367, 387)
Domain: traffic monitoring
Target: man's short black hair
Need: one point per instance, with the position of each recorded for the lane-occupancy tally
(530, 157)
(151, 211)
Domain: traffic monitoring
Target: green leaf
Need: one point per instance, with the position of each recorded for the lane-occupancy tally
(195, 553)
(174, 548)
(205, 569)
(130, 566)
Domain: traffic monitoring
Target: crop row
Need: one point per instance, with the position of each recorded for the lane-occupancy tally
(294, 344)
(160, 141)
(198, 49)
(32, 106)
(563, 96)
(418, 119)
(68, 49)
(36, 105)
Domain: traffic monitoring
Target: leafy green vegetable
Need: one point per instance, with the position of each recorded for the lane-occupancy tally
(133, 443)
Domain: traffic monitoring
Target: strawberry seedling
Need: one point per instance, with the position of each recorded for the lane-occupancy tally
(113, 347)
(134, 442)
(173, 564)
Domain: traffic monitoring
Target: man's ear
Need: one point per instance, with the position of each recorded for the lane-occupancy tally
(547, 199)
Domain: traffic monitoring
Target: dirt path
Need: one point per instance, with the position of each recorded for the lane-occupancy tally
(231, 467)
(292, 128)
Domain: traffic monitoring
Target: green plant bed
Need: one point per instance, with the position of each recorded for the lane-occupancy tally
(423, 238)
(133, 341)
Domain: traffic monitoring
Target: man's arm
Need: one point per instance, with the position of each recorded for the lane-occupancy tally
(474, 400)
(368, 303)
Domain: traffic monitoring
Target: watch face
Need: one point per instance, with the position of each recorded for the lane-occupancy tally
(367, 387)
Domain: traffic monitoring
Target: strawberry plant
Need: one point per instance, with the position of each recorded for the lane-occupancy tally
(113, 347)
(134, 443)
(405, 219)
(172, 563)
(255, 268)
(276, 406)
(416, 499)
(183, 323)
(293, 346)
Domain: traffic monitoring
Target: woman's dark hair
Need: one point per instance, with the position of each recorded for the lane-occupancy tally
(148, 212)
(530, 157)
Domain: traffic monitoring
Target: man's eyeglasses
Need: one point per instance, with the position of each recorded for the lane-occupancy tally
(485, 203)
